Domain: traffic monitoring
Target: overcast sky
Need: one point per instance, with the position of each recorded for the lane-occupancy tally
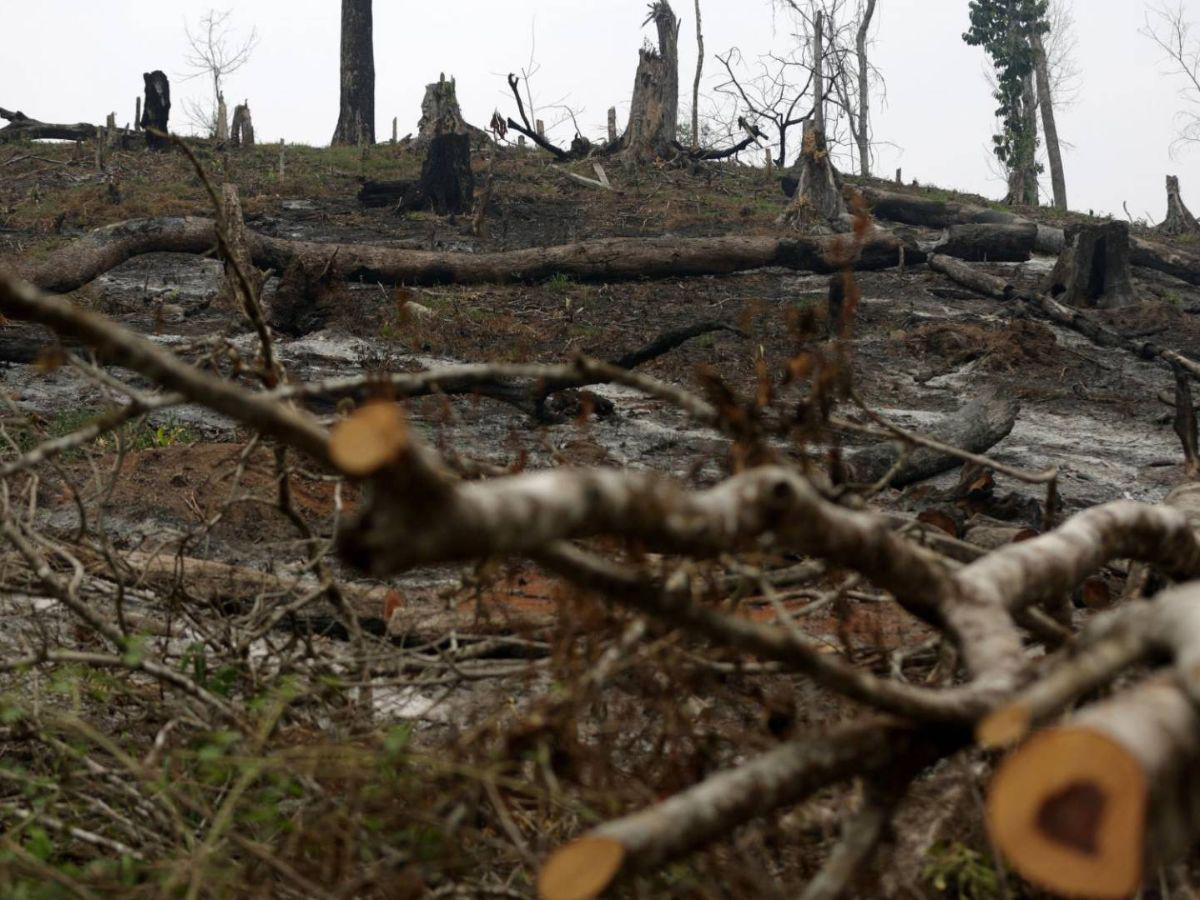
(936, 121)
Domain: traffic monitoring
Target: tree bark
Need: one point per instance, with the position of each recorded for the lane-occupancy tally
(356, 119)
(696, 83)
(82, 260)
(654, 109)
(156, 112)
(1093, 272)
(818, 114)
(864, 92)
(440, 112)
(1058, 178)
(1179, 218)
(23, 128)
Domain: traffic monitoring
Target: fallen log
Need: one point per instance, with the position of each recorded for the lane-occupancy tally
(990, 243)
(23, 128)
(612, 259)
(976, 427)
(1182, 264)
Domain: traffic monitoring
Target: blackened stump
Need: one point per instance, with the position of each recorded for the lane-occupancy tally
(1093, 270)
(447, 185)
(156, 111)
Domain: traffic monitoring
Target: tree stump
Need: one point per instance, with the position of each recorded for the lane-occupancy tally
(654, 109)
(447, 185)
(1179, 218)
(241, 132)
(440, 112)
(1093, 271)
(156, 111)
(818, 199)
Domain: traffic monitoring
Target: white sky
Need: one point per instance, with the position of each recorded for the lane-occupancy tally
(938, 113)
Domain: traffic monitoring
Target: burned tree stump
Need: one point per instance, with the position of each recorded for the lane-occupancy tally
(1093, 270)
(447, 185)
(156, 111)
(440, 112)
(654, 109)
(818, 199)
(1179, 218)
(241, 132)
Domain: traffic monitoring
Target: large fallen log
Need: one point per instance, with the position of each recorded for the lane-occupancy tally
(990, 243)
(612, 259)
(23, 128)
(977, 427)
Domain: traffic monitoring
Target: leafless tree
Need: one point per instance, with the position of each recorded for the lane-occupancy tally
(216, 52)
(1170, 29)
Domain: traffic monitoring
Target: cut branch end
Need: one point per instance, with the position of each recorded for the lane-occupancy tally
(370, 440)
(582, 870)
(1068, 810)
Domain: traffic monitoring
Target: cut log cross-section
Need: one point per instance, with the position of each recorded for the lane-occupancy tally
(1093, 272)
(1179, 218)
(1085, 809)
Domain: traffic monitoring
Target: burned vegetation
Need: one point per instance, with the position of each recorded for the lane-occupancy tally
(453, 516)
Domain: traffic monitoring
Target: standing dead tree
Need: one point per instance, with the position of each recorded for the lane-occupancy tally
(215, 53)
(654, 106)
(356, 110)
(156, 112)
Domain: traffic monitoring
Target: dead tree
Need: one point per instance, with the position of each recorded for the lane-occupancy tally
(696, 82)
(1093, 271)
(356, 116)
(1179, 218)
(818, 200)
(241, 132)
(156, 111)
(654, 108)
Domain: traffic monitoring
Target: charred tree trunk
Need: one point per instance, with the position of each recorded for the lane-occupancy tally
(1179, 218)
(818, 200)
(23, 128)
(990, 243)
(447, 185)
(440, 112)
(241, 132)
(356, 120)
(654, 110)
(1058, 178)
(818, 72)
(156, 112)
(1093, 272)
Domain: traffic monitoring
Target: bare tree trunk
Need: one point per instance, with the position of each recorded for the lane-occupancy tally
(654, 110)
(1030, 179)
(696, 83)
(864, 93)
(819, 72)
(818, 201)
(222, 134)
(241, 132)
(356, 120)
(1058, 177)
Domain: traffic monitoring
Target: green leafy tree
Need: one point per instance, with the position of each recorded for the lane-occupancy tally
(1005, 29)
